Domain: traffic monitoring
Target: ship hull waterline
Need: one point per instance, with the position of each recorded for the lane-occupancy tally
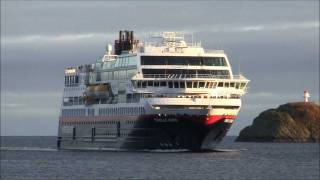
(144, 133)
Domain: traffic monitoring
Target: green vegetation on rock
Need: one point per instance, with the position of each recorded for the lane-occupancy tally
(291, 122)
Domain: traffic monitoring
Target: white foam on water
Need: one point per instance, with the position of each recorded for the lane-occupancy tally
(229, 150)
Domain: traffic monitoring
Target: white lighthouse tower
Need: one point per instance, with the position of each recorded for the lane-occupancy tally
(306, 95)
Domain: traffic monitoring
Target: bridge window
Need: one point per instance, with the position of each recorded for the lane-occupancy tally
(195, 85)
(220, 84)
(150, 83)
(170, 84)
(178, 60)
(189, 84)
(195, 73)
(176, 84)
(237, 85)
(201, 84)
(242, 85)
(210, 84)
(144, 84)
(182, 84)
(163, 83)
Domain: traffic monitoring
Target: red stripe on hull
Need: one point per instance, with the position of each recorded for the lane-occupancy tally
(215, 118)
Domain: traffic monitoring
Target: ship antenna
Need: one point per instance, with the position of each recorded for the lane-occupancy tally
(239, 61)
(192, 38)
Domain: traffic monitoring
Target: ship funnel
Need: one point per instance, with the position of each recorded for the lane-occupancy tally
(126, 42)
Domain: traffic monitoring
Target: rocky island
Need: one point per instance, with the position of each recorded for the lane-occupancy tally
(291, 122)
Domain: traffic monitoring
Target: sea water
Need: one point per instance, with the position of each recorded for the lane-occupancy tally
(37, 158)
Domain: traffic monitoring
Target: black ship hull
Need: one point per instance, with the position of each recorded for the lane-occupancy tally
(147, 132)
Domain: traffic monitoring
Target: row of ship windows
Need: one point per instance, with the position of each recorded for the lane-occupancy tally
(103, 111)
(102, 76)
(71, 80)
(122, 111)
(183, 60)
(112, 75)
(109, 133)
(126, 61)
(193, 72)
(96, 123)
(187, 84)
(73, 101)
(232, 96)
(77, 112)
(70, 101)
(119, 62)
(163, 60)
(126, 74)
(74, 88)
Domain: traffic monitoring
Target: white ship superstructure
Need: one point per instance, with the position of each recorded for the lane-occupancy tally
(167, 94)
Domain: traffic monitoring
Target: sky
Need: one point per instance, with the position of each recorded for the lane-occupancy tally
(274, 44)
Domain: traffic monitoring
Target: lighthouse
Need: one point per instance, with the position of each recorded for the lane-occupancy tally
(306, 95)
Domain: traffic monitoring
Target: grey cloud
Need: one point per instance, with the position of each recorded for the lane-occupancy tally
(106, 17)
(69, 38)
(30, 113)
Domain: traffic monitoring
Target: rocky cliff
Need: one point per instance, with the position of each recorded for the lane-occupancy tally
(291, 122)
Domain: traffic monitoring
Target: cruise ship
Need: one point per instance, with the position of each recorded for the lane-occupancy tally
(164, 94)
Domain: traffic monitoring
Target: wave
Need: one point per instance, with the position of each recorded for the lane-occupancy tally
(229, 150)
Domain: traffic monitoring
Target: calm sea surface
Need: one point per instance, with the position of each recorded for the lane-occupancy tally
(36, 158)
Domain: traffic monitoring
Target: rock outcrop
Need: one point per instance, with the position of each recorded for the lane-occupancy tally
(291, 122)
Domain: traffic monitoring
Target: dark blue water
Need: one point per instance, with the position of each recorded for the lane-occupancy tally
(36, 158)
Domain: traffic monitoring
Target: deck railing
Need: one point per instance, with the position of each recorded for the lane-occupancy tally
(186, 76)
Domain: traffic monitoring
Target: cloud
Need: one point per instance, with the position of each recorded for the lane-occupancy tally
(30, 104)
(302, 25)
(30, 113)
(265, 27)
(63, 38)
(30, 95)
(67, 38)
(270, 96)
(275, 96)
(252, 28)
